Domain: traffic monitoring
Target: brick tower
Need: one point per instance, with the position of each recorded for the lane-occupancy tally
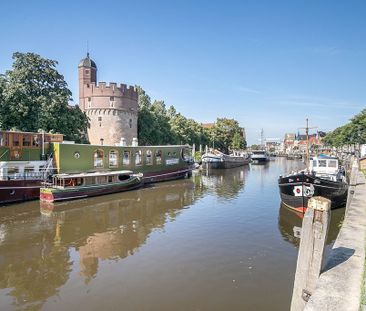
(111, 108)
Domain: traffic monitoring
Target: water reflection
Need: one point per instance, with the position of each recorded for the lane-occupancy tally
(167, 247)
(288, 219)
(35, 250)
(225, 183)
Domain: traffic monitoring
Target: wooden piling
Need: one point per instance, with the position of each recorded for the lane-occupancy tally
(310, 257)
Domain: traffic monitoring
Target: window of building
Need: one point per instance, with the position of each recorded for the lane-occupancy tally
(35, 141)
(111, 101)
(89, 102)
(4, 139)
(130, 123)
(138, 157)
(16, 139)
(148, 157)
(26, 140)
(126, 158)
(100, 119)
(98, 158)
(113, 158)
(158, 157)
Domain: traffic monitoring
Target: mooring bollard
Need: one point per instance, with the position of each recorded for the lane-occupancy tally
(310, 257)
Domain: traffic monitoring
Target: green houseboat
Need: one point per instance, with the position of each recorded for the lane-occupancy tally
(75, 163)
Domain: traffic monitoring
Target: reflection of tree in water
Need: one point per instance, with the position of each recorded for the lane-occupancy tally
(35, 262)
(225, 183)
(33, 268)
(116, 228)
(288, 219)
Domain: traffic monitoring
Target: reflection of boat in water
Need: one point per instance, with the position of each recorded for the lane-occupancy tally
(36, 250)
(225, 183)
(288, 219)
(219, 160)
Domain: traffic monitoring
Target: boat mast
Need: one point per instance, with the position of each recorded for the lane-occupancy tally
(307, 142)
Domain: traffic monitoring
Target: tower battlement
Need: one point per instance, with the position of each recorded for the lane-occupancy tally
(111, 89)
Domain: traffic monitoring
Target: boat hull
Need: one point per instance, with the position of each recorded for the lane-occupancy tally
(260, 160)
(296, 190)
(151, 177)
(225, 164)
(12, 191)
(55, 194)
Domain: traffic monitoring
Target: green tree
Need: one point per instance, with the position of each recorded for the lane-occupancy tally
(224, 132)
(36, 98)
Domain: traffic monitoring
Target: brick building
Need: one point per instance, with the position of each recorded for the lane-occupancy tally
(112, 109)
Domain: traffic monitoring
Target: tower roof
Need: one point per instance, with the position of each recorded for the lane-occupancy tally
(87, 62)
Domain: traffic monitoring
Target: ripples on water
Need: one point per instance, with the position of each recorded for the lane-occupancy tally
(220, 240)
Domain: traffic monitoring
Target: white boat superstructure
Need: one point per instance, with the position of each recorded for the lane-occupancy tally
(259, 156)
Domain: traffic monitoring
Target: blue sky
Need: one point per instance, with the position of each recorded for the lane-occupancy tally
(268, 64)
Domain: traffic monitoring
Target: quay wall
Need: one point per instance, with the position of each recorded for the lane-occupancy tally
(339, 287)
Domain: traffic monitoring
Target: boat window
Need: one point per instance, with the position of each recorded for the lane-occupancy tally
(314, 163)
(126, 157)
(28, 170)
(110, 178)
(158, 157)
(113, 158)
(138, 157)
(168, 154)
(186, 154)
(322, 163)
(98, 158)
(16, 140)
(123, 177)
(149, 160)
(26, 140)
(332, 163)
(13, 170)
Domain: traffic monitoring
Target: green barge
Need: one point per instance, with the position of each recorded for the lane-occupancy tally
(90, 170)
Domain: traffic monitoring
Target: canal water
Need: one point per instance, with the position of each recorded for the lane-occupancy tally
(217, 241)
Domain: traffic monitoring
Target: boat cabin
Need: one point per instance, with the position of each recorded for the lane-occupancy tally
(89, 179)
(325, 167)
(15, 170)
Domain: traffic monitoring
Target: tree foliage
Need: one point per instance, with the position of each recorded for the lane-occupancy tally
(159, 126)
(351, 133)
(34, 96)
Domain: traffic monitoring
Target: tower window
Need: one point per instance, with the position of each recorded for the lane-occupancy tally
(89, 102)
(130, 123)
(100, 119)
(87, 71)
(111, 101)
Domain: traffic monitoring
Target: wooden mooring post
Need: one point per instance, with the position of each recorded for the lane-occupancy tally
(310, 257)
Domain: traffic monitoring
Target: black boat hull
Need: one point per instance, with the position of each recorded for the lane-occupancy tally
(297, 189)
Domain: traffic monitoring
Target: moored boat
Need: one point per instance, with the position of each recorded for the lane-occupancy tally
(259, 156)
(77, 186)
(219, 160)
(324, 177)
(25, 162)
